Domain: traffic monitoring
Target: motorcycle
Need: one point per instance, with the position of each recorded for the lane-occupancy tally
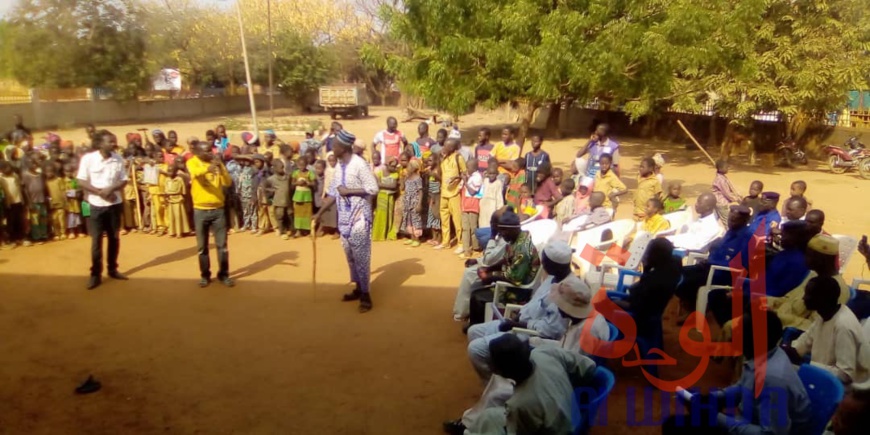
(841, 160)
(789, 152)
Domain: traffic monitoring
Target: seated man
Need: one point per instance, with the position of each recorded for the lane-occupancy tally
(795, 209)
(821, 258)
(519, 266)
(757, 414)
(648, 297)
(835, 339)
(735, 244)
(544, 381)
(767, 217)
(815, 222)
(492, 254)
(554, 306)
(702, 231)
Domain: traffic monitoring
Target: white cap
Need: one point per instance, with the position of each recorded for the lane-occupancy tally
(558, 252)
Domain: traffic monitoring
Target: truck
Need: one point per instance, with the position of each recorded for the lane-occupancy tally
(347, 100)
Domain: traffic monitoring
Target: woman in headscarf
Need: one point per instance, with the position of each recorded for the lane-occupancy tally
(385, 225)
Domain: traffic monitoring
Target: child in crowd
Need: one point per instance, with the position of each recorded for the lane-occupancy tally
(527, 202)
(319, 178)
(73, 194)
(129, 220)
(433, 222)
(278, 186)
(154, 178)
(558, 176)
(516, 170)
(798, 190)
(471, 194)
(174, 190)
(35, 195)
(598, 214)
(753, 201)
(13, 204)
(248, 193)
(413, 204)
(564, 209)
(303, 197)
(265, 220)
(653, 221)
(384, 225)
(56, 188)
(607, 182)
(673, 202)
(648, 187)
(329, 218)
(659, 161)
(492, 197)
(725, 192)
(581, 197)
(547, 192)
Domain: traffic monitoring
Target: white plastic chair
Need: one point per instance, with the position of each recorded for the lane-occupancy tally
(679, 222)
(500, 287)
(602, 278)
(704, 292)
(848, 246)
(541, 231)
(592, 237)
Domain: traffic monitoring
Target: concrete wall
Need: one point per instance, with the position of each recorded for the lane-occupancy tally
(47, 115)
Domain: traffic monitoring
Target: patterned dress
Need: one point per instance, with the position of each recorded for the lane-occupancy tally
(354, 217)
(248, 197)
(411, 218)
(434, 220)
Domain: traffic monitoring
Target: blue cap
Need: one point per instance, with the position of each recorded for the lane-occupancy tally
(345, 137)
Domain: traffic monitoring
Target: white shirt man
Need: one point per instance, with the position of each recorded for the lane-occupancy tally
(699, 235)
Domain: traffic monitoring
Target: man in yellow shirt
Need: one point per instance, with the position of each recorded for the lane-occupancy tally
(506, 151)
(607, 182)
(648, 187)
(452, 174)
(208, 179)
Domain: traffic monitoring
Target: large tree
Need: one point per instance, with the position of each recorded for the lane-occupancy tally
(79, 43)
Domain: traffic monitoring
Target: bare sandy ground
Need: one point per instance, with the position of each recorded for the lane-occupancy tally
(276, 355)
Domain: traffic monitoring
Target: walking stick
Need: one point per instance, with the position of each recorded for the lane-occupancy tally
(136, 190)
(712, 160)
(314, 256)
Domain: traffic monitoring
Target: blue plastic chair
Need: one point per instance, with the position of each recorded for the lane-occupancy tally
(825, 392)
(592, 397)
(620, 284)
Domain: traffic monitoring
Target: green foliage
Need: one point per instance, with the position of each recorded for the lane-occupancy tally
(300, 66)
(6, 49)
(79, 43)
(798, 56)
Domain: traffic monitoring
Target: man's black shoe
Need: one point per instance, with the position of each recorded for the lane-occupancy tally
(352, 296)
(365, 303)
(454, 427)
(89, 386)
(94, 282)
(118, 275)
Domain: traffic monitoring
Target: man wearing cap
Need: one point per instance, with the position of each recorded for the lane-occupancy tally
(208, 180)
(732, 251)
(767, 217)
(390, 142)
(544, 379)
(352, 187)
(835, 339)
(103, 177)
(702, 231)
(821, 258)
(519, 266)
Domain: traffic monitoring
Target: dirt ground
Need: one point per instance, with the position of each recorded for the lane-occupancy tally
(276, 355)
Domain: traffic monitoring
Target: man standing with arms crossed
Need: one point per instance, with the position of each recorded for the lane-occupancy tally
(208, 179)
(352, 187)
(102, 176)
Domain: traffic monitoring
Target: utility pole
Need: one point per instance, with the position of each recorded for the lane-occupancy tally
(271, 88)
(247, 70)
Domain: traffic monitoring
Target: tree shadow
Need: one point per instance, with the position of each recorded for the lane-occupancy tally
(395, 274)
(278, 259)
(164, 259)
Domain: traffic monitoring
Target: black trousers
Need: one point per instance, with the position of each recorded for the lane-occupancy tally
(216, 221)
(15, 223)
(105, 220)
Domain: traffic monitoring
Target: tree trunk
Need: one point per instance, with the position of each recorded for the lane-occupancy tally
(526, 110)
(553, 120)
(727, 143)
(711, 140)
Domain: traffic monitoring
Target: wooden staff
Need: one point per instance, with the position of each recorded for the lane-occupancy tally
(136, 190)
(314, 256)
(712, 160)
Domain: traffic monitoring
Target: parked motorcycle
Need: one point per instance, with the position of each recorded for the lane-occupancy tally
(851, 155)
(789, 152)
(864, 168)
